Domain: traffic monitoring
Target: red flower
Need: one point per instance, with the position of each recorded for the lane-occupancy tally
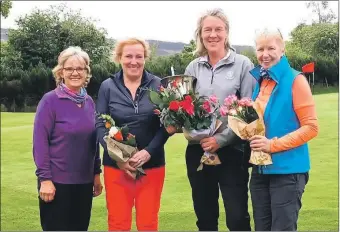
(174, 106)
(118, 136)
(188, 98)
(187, 105)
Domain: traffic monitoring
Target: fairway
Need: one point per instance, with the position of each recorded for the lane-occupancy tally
(19, 198)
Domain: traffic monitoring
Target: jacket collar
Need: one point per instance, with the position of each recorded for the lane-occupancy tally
(276, 72)
(228, 59)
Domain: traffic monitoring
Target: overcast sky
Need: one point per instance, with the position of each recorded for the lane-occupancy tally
(176, 20)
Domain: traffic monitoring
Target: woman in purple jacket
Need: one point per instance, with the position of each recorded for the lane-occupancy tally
(65, 150)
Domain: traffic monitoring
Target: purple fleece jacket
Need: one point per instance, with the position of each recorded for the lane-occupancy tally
(64, 140)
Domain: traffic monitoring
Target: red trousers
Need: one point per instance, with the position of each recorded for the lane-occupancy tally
(122, 193)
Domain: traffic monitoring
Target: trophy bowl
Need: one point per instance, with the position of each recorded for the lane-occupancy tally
(188, 82)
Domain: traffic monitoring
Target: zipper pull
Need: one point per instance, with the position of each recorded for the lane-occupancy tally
(136, 108)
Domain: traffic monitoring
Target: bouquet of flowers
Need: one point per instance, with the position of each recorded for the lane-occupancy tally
(246, 120)
(177, 105)
(121, 144)
(171, 101)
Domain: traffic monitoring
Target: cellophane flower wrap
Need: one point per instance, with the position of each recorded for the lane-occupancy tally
(197, 116)
(121, 144)
(245, 118)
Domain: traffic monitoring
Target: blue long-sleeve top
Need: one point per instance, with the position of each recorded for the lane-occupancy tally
(115, 99)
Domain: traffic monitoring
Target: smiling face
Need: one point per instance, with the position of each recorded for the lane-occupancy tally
(213, 34)
(269, 50)
(74, 73)
(133, 60)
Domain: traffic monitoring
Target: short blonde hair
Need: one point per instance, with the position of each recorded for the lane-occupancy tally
(270, 32)
(64, 56)
(130, 41)
(200, 49)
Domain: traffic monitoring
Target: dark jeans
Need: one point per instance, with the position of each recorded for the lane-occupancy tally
(231, 177)
(70, 210)
(276, 200)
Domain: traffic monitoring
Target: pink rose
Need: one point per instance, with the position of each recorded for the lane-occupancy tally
(213, 99)
(230, 100)
(223, 111)
(242, 102)
(206, 106)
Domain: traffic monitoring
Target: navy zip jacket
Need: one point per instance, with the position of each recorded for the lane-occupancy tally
(116, 100)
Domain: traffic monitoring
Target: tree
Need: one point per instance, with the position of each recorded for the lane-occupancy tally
(187, 53)
(322, 10)
(315, 40)
(9, 58)
(5, 6)
(43, 34)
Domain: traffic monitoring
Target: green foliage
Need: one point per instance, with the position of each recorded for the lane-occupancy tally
(317, 43)
(5, 7)
(317, 39)
(43, 34)
(251, 55)
(107, 118)
(9, 58)
(39, 80)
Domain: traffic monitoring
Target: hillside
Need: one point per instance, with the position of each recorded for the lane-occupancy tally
(165, 48)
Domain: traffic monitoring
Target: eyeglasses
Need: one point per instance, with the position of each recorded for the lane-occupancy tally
(71, 70)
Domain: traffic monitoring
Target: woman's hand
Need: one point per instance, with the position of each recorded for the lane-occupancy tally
(47, 190)
(127, 168)
(97, 186)
(140, 158)
(209, 144)
(260, 143)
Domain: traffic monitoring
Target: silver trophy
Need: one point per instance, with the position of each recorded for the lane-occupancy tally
(187, 82)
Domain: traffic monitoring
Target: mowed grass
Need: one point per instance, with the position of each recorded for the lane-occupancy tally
(19, 202)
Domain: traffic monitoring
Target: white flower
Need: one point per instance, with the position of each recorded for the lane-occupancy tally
(113, 131)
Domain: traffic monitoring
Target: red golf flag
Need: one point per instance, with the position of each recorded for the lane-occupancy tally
(308, 68)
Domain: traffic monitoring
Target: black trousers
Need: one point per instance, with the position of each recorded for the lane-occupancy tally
(276, 200)
(70, 210)
(231, 177)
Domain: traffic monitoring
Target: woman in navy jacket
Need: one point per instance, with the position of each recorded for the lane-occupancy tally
(123, 96)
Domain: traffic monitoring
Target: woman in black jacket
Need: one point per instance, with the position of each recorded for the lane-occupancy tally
(123, 96)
